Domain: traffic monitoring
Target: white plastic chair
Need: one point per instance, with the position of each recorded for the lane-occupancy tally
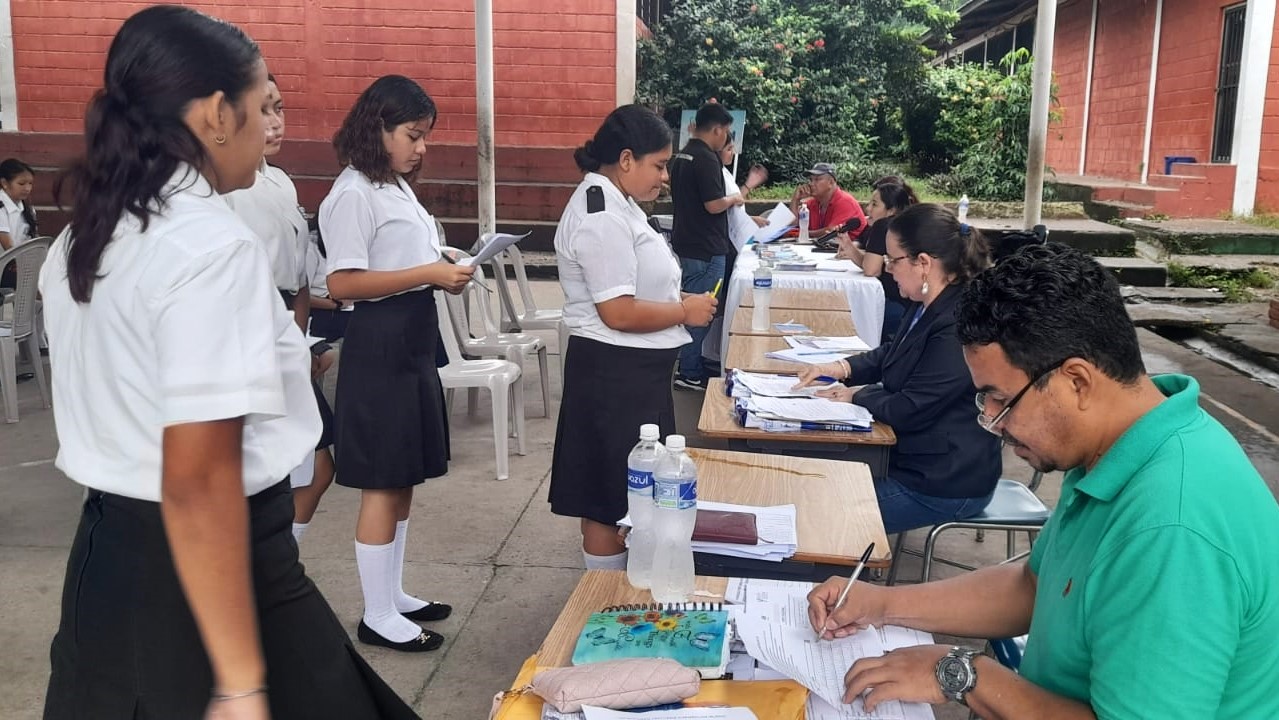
(532, 318)
(502, 378)
(487, 340)
(20, 329)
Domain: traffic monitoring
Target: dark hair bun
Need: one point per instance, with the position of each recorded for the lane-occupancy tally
(585, 157)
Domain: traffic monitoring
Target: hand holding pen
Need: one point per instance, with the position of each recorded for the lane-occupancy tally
(835, 612)
(824, 373)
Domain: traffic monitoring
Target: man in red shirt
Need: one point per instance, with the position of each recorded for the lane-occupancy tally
(829, 206)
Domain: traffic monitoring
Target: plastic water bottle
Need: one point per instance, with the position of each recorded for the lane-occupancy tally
(803, 224)
(763, 294)
(962, 212)
(674, 515)
(640, 465)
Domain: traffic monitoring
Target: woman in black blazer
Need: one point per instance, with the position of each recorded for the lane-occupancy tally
(944, 466)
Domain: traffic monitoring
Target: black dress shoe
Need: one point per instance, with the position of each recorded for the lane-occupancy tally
(425, 642)
(430, 611)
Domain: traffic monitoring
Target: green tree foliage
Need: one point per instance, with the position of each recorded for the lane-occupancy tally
(970, 125)
(812, 75)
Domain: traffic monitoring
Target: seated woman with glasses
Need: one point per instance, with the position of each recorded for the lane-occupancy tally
(944, 466)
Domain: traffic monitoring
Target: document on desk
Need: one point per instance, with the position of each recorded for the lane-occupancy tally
(811, 410)
(807, 357)
(591, 712)
(850, 343)
(770, 385)
(775, 630)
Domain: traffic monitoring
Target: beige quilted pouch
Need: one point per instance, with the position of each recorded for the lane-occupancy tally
(617, 684)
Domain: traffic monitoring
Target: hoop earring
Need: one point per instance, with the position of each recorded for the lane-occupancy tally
(924, 289)
(219, 139)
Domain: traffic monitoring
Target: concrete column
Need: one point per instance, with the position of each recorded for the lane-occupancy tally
(1041, 94)
(1254, 73)
(1150, 92)
(484, 115)
(625, 52)
(1092, 59)
(8, 81)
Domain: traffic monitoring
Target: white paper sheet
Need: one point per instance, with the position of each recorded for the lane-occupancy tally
(848, 343)
(780, 219)
(496, 243)
(806, 357)
(773, 385)
(810, 410)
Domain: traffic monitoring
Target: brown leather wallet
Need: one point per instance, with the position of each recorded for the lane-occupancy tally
(726, 527)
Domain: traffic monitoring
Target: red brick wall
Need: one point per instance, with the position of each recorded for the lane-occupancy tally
(1121, 76)
(1185, 89)
(554, 67)
(1268, 172)
(1070, 67)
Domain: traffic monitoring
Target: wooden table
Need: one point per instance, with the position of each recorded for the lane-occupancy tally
(871, 447)
(836, 514)
(598, 589)
(827, 323)
(746, 352)
(798, 299)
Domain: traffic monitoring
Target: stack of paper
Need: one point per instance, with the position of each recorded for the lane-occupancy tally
(780, 219)
(808, 357)
(772, 623)
(775, 527)
(810, 410)
(746, 384)
(849, 344)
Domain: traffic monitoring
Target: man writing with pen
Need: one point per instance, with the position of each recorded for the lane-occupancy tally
(1153, 590)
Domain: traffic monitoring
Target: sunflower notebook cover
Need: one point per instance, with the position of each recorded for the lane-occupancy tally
(692, 634)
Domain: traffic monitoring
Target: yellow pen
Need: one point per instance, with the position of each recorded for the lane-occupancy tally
(718, 284)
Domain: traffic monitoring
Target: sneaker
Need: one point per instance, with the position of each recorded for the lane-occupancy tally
(684, 383)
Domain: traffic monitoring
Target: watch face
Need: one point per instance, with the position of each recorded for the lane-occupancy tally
(954, 674)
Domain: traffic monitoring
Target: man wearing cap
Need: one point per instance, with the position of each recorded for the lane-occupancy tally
(829, 206)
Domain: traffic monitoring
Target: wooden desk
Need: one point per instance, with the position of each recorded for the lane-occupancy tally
(597, 590)
(746, 352)
(836, 514)
(796, 299)
(829, 323)
(717, 422)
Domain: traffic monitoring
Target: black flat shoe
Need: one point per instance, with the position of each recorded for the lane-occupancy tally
(430, 611)
(425, 642)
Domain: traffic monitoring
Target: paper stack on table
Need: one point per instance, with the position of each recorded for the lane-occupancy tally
(807, 356)
(746, 384)
(772, 623)
(775, 526)
(811, 410)
(849, 344)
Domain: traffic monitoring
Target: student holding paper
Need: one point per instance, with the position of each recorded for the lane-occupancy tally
(1151, 592)
(944, 466)
(626, 318)
(392, 430)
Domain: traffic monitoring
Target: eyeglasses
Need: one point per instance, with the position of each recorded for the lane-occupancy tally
(890, 261)
(989, 423)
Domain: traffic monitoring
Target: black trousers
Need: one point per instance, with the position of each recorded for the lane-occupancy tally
(127, 646)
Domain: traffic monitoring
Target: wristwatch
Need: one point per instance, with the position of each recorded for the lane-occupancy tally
(956, 674)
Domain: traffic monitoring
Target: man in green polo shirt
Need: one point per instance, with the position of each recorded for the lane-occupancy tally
(1153, 591)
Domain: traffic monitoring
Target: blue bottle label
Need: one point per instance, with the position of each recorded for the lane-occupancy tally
(639, 481)
(675, 496)
(764, 283)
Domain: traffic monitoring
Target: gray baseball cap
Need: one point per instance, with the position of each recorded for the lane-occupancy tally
(822, 169)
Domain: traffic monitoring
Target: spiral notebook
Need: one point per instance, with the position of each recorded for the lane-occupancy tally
(693, 634)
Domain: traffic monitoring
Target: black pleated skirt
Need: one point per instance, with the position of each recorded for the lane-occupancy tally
(391, 429)
(609, 391)
(127, 646)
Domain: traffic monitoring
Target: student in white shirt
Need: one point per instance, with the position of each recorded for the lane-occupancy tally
(270, 208)
(17, 217)
(183, 402)
(392, 429)
(626, 318)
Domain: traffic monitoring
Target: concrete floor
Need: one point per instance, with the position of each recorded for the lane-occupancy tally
(490, 548)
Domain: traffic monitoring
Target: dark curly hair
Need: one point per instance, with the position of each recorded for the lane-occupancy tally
(930, 228)
(389, 102)
(135, 137)
(1046, 303)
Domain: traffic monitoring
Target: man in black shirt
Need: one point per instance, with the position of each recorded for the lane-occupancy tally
(700, 233)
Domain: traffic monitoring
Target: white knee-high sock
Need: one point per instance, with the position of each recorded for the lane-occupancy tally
(299, 529)
(403, 601)
(605, 562)
(377, 578)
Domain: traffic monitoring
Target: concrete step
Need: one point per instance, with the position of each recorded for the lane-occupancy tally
(1090, 236)
(1107, 210)
(1207, 237)
(1137, 272)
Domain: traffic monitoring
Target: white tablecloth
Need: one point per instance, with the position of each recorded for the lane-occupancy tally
(865, 294)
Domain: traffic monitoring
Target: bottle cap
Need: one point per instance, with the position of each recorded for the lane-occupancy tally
(675, 442)
(650, 432)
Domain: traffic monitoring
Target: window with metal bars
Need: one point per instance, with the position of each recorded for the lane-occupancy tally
(1223, 135)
